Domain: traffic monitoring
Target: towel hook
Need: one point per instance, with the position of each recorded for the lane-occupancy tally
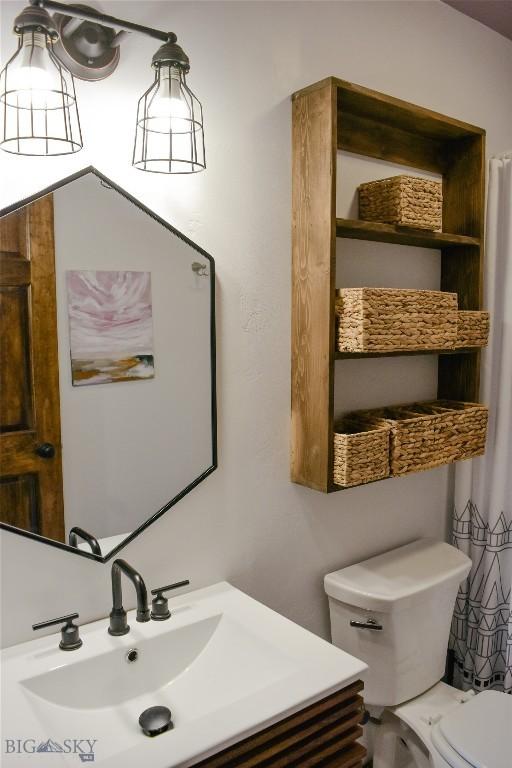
(200, 269)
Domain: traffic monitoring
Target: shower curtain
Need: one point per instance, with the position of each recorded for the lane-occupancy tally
(481, 636)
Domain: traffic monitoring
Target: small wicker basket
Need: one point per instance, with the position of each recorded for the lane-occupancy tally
(391, 320)
(472, 329)
(404, 200)
(361, 452)
(427, 435)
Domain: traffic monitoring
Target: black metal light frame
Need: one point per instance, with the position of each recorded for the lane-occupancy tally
(146, 151)
(213, 358)
(29, 121)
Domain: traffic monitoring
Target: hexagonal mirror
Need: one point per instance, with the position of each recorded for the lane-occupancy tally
(107, 366)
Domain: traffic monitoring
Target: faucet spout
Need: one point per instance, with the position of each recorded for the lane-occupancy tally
(118, 620)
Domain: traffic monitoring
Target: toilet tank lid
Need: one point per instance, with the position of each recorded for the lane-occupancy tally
(395, 579)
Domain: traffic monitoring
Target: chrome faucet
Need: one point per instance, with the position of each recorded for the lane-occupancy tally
(118, 621)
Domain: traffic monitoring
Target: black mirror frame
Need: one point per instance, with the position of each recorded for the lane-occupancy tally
(104, 180)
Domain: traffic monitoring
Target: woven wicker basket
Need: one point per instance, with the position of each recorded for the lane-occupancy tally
(403, 200)
(427, 435)
(472, 329)
(361, 452)
(391, 320)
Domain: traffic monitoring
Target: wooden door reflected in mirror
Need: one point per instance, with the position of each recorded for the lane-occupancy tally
(31, 495)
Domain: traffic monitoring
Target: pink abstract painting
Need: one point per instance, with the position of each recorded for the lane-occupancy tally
(111, 326)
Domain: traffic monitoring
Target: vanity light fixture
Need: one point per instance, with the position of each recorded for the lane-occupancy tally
(39, 114)
(37, 93)
(169, 134)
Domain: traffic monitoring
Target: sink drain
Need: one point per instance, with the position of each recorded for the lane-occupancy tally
(156, 720)
(132, 655)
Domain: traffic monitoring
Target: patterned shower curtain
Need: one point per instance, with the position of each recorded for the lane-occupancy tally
(481, 635)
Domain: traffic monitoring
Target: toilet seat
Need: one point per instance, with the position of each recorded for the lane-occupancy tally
(460, 730)
(444, 756)
(476, 735)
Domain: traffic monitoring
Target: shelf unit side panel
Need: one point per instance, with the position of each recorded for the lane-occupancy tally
(313, 285)
(459, 377)
(464, 187)
(464, 212)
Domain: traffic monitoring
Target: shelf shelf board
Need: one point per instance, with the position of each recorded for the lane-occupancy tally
(389, 233)
(363, 355)
(333, 488)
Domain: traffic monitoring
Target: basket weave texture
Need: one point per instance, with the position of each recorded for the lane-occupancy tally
(361, 452)
(404, 200)
(429, 434)
(472, 329)
(388, 319)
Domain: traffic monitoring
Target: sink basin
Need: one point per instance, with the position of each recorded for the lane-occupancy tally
(224, 664)
(161, 660)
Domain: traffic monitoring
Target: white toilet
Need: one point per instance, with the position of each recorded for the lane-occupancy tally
(394, 612)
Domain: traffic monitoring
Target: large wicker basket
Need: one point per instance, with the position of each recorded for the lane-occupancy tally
(472, 329)
(404, 200)
(361, 452)
(392, 320)
(427, 435)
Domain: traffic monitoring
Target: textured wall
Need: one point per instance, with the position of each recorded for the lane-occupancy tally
(248, 523)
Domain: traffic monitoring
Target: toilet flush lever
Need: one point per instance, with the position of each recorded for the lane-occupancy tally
(368, 624)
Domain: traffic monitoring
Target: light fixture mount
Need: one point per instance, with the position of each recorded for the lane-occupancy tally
(89, 50)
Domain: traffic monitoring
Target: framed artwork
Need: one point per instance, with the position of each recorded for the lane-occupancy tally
(110, 326)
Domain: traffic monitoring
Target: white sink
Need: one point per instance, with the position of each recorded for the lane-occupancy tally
(224, 664)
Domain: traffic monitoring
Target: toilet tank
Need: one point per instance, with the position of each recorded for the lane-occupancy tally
(410, 592)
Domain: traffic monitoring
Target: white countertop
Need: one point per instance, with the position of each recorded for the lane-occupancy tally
(251, 669)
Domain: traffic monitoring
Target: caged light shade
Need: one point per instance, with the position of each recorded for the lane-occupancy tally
(169, 135)
(38, 110)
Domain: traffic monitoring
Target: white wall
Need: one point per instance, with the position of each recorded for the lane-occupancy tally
(248, 523)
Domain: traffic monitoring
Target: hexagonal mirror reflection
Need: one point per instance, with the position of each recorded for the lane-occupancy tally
(107, 366)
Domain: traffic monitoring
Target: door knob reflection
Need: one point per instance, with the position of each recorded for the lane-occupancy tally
(45, 450)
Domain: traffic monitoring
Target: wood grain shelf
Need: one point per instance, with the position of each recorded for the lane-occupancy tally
(335, 115)
(390, 233)
(406, 353)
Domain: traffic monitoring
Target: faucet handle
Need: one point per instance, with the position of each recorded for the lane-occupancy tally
(159, 605)
(70, 633)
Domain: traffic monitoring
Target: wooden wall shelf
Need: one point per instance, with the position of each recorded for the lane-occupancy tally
(405, 353)
(389, 233)
(336, 115)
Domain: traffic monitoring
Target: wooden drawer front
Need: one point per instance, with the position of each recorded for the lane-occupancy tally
(322, 735)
